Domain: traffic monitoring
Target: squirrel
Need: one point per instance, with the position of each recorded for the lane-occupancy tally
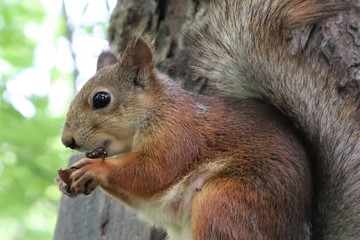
(200, 167)
(230, 166)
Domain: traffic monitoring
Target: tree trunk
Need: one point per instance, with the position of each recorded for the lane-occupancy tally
(99, 217)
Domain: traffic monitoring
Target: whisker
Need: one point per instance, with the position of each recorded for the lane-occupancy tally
(90, 128)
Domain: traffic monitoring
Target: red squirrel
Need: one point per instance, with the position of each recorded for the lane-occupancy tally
(200, 167)
(225, 166)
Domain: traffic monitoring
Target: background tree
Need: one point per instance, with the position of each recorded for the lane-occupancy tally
(337, 40)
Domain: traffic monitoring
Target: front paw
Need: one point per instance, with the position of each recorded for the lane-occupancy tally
(81, 178)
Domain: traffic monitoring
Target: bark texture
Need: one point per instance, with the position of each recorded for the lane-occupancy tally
(337, 39)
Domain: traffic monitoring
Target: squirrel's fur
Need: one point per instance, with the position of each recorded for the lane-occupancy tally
(216, 167)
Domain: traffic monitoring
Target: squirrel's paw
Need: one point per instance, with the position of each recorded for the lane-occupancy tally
(63, 187)
(85, 177)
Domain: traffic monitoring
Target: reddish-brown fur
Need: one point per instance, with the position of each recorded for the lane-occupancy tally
(255, 180)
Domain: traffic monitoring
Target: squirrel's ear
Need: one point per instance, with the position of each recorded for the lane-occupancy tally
(105, 58)
(138, 54)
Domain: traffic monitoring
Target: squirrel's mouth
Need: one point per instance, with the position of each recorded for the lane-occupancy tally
(97, 153)
(100, 152)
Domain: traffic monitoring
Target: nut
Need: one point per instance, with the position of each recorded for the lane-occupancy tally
(64, 175)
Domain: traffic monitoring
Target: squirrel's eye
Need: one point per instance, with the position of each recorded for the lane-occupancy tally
(101, 100)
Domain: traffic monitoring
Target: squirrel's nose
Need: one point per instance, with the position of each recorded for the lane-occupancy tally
(69, 141)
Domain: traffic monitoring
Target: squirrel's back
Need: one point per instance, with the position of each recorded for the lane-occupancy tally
(242, 48)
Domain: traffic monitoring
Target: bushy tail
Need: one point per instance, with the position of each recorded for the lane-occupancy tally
(241, 47)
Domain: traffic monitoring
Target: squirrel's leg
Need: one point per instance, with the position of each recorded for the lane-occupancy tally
(129, 174)
(230, 208)
(221, 210)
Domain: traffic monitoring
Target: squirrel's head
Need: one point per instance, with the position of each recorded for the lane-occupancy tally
(107, 112)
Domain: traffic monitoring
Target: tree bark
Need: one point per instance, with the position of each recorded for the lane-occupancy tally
(337, 40)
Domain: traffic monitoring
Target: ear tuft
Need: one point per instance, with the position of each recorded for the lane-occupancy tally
(105, 58)
(138, 54)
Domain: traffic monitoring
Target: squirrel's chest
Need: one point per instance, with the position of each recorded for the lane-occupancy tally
(172, 210)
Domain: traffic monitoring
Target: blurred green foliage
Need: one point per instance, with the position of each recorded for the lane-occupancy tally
(30, 148)
(30, 153)
(16, 50)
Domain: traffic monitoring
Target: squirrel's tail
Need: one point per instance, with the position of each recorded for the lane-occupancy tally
(241, 47)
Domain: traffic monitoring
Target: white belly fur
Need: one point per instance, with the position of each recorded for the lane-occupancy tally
(172, 210)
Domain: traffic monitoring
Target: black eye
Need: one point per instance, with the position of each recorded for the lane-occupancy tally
(101, 100)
